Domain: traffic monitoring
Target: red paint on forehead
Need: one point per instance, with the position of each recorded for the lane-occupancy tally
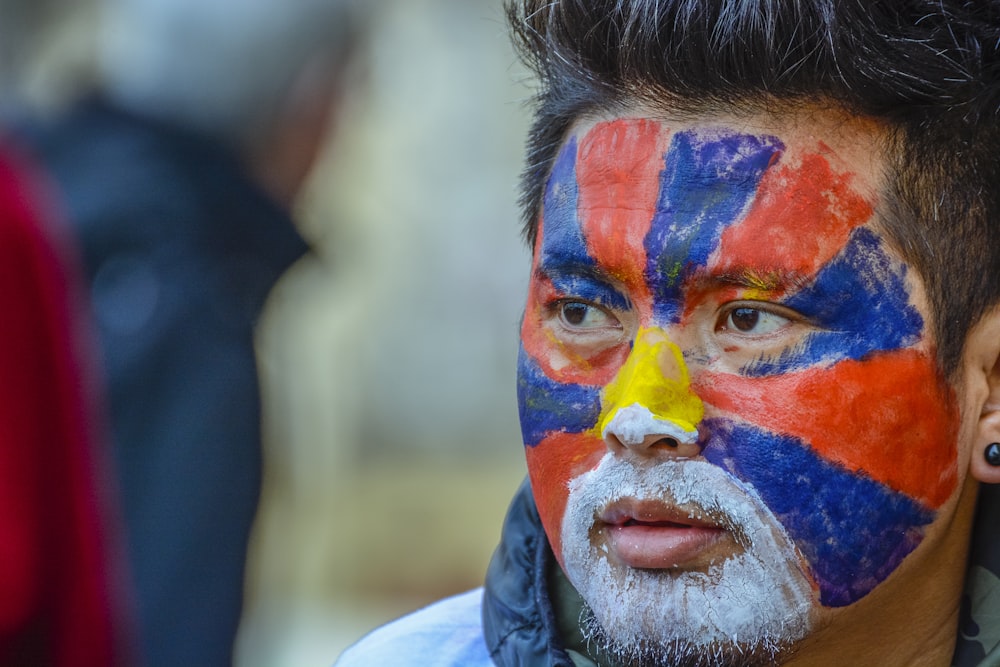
(618, 173)
(890, 417)
(800, 219)
(552, 464)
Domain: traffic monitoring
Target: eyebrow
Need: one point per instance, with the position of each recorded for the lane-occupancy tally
(768, 280)
(575, 276)
(555, 266)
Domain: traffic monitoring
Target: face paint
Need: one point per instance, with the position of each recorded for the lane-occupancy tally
(729, 290)
(652, 395)
(757, 594)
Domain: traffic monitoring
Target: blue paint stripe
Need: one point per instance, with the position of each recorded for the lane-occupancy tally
(587, 288)
(547, 406)
(562, 236)
(860, 301)
(852, 530)
(706, 185)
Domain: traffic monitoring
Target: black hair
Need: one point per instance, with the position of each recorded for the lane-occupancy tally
(927, 69)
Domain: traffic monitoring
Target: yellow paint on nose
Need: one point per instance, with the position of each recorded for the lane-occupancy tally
(655, 377)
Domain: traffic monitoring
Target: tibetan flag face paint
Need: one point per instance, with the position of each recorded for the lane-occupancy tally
(711, 295)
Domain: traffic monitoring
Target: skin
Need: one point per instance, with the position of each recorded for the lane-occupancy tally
(282, 158)
(804, 359)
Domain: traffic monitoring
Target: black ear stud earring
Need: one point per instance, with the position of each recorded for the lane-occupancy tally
(992, 453)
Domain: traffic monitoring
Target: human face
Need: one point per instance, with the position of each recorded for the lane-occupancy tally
(727, 391)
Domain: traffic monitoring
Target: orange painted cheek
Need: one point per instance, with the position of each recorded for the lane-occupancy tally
(891, 418)
(552, 465)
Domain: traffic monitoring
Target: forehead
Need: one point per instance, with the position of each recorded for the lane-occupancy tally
(644, 194)
(847, 144)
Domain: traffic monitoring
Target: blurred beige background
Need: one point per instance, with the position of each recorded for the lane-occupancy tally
(388, 359)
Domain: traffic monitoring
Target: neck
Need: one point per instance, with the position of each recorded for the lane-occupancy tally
(901, 624)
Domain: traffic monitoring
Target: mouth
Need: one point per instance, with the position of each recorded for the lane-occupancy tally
(650, 534)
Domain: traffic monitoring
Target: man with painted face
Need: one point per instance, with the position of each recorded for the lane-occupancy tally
(758, 381)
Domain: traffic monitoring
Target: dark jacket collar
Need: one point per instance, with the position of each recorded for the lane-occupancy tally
(518, 621)
(978, 641)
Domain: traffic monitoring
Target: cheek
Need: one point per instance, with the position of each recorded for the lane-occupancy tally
(548, 405)
(891, 418)
(853, 460)
(552, 465)
(557, 421)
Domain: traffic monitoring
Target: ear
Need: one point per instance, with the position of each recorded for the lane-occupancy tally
(982, 385)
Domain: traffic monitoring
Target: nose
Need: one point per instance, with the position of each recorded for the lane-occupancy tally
(649, 408)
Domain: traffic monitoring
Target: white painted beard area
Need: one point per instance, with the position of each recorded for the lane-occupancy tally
(749, 608)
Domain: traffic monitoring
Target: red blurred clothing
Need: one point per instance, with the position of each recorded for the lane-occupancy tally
(57, 591)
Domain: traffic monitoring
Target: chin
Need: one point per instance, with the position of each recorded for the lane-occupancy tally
(749, 605)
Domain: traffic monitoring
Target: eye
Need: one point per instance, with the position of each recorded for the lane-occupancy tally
(580, 315)
(752, 321)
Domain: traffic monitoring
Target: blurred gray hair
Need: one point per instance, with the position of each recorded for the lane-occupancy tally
(223, 67)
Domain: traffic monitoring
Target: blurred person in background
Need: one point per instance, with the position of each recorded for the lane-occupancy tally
(178, 172)
(61, 585)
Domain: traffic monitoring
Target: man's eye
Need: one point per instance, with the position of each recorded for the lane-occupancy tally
(579, 315)
(752, 321)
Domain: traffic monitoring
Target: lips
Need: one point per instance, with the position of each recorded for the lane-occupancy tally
(653, 535)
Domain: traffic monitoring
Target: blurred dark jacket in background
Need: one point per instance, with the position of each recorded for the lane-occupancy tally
(180, 249)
